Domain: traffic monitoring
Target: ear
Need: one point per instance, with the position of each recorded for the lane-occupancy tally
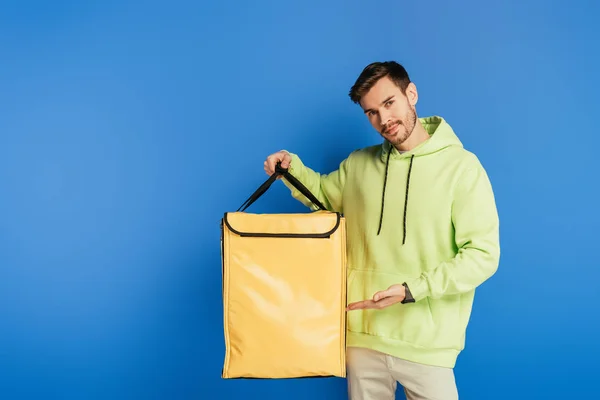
(411, 94)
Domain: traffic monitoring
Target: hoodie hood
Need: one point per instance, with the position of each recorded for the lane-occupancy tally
(441, 136)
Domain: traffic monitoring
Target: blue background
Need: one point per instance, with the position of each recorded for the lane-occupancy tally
(128, 128)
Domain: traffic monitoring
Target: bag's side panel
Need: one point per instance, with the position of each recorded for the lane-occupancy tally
(286, 303)
(225, 292)
(341, 237)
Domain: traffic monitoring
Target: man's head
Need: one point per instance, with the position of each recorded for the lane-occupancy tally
(388, 98)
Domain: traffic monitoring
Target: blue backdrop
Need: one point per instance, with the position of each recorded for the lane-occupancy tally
(128, 128)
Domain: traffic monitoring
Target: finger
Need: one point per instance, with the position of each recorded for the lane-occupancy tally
(393, 290)
(271, 164)
(381, 295)
(286, 160)
(361, 305)
(388, 301)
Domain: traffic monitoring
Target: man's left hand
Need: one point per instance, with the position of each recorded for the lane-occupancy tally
(385, 298)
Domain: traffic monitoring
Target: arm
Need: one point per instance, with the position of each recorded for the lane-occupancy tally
(327, 188)
(476, 223)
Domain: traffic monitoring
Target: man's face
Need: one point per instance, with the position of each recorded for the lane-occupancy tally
(391, 112)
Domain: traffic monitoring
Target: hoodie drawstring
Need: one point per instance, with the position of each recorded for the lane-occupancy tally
(406, 197)
(387, 164)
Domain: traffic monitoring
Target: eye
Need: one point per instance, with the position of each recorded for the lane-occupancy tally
(389, 103)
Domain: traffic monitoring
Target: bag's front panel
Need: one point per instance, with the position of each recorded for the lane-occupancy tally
(285, 301)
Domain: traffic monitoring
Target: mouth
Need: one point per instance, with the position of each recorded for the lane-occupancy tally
(392, 130)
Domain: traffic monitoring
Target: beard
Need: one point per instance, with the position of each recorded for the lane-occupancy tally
(405, 125)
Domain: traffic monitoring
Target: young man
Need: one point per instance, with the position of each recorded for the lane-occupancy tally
(422, 235)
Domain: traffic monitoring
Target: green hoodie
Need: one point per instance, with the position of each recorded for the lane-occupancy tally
(426, 217)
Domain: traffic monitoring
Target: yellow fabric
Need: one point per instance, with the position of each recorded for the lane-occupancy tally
(284, 294)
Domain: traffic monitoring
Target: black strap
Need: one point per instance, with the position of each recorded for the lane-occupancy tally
(291, 179)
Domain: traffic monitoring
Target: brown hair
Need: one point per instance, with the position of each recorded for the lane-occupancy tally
(375, 71)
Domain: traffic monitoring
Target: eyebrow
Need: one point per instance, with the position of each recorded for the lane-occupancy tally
(383, 102)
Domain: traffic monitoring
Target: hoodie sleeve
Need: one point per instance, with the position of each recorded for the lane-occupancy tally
(476, 224)
(327, 188)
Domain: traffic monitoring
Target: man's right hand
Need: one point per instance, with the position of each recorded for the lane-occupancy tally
(272, 160)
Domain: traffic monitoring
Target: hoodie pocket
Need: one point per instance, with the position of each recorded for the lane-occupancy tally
(412, 322)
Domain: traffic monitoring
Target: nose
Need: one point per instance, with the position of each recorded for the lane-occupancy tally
(384, 117)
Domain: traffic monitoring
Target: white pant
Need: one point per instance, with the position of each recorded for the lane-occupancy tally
(372, 375)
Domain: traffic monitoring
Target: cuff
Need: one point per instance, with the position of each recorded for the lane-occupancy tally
(419, 288)
(408, 297)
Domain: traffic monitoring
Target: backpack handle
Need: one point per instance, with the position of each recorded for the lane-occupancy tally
(291, 179)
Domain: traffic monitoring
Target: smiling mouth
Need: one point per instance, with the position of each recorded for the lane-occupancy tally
(391, 130)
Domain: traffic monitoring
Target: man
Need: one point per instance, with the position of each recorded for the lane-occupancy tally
(422, 235)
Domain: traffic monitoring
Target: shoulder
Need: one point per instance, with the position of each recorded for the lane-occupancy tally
(470, 159)
(466, 161)
(470, 173)
(360, 158)
(366, 153)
